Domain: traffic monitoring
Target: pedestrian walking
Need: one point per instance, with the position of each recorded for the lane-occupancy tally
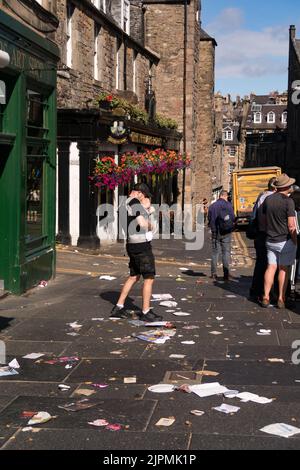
(281, 240)
(205, 209)
(139, 250)
(261, 263)
(221, 222)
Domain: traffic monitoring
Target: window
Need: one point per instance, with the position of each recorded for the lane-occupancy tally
(231, 168)
(271, 117)
(70, 11)
(228, 135)
(37, 152)
(134, 75)
(284, 117)
(96, 52)
(100, 4)
(257, 118)
(118, 64)
(125, 16)
(232, 151)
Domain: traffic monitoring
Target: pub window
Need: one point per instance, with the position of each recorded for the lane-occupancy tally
(96, 52)
(70, 12)
(284, 117)
(271, 117)
(134, 75)
(37, 153)
(2, 102)
(125, 16)
(118, 56)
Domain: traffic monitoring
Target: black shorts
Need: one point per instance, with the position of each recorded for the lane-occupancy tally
(142, 264)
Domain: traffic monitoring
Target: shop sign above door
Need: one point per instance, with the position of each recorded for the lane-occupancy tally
(137, 138)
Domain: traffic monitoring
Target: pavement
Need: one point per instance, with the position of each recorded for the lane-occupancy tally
(106, 353)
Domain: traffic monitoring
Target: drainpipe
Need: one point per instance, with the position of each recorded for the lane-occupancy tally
(184, 97)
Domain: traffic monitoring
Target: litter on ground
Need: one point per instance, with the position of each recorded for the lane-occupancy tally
(227, 409)
(281, 430)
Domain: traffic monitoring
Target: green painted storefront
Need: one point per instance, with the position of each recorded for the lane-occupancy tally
(27, 156)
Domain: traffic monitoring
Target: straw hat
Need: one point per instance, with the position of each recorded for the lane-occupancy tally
(284, 181)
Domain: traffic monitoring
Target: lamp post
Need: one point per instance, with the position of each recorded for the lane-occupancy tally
(4, 59)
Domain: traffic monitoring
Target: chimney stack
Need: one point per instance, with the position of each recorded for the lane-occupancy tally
(292, 32)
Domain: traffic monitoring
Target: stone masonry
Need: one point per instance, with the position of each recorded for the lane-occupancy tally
(169, 42)
(77, 87)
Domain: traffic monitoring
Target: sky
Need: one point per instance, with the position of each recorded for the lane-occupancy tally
(253, 43)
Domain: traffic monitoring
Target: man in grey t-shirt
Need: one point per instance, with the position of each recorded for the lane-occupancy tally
(281, 240)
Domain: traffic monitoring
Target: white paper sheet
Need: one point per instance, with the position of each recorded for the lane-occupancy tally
(162, 296)
(281, 429)
(247, 396)
(33, 356)
(226, 408)
(168, 303)
(209, 389)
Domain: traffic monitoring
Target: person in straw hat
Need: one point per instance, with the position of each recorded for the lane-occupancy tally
(281, 240)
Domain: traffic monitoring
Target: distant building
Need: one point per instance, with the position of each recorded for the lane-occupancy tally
(293, 130)
(266, 130)
(229, 148)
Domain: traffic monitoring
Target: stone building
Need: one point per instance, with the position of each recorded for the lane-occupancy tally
(120, 47)
(100, 54)
(229, 145)
(266, 130)
(293, 129)
(185, 74)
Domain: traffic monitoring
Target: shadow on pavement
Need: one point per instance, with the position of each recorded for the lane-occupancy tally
(113, 296)
(5, 322)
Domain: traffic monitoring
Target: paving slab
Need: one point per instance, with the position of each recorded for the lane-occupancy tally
(115, 370)
(22, 348)
(247, 421)
(221, 442)
(38, 370)
(253, 373)
(5, 434)
(124, 391)
(34, 389)
(95, 439)
(5, 400)
(44, 329)
(259, 352)
(132, 414)
(287, 337)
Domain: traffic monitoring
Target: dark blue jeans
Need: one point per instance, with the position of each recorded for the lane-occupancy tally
(221, 244)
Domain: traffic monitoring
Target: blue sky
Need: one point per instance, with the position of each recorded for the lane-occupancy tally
(252, 37)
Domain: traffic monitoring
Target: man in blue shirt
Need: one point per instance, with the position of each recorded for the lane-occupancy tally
(221, 222)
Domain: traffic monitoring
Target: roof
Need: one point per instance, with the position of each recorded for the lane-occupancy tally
(266, 107)
(204, 36)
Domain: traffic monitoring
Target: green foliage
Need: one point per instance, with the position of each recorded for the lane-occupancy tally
(135, 112)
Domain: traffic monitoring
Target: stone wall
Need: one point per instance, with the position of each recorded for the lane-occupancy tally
(169, 43)
(77, 87)
(205, 123)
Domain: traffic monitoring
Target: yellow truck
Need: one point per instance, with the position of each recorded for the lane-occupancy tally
(247, 184)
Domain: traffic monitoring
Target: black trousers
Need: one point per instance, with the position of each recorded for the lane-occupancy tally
(257, 288)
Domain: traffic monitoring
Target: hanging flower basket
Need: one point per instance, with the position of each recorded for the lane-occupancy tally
(158, 161)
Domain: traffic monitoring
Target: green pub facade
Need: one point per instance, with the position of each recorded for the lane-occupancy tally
(27, 151)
